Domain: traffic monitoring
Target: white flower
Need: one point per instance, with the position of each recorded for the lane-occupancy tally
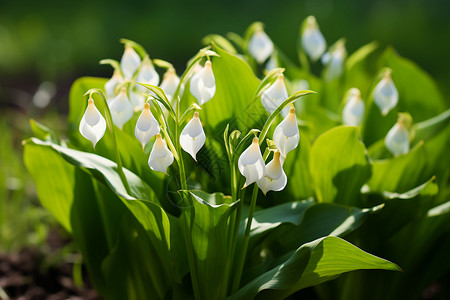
(170, 83)
(129, 62)
(286, 135)
(146, 126)
(275, 95)
(121, 108)
(385, 94)
(274, 178)
(272, 63)
(203, 84)
(334, 61)
(111, 84)
(397, 139)
(260, 46)
(147, 74)
(251, 164)
(353, 112)
(92, 125)
(160, 157)
(193, 137)
(137, 100)
(312, 39)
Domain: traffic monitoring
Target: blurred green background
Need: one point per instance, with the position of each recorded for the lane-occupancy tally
(57, 41)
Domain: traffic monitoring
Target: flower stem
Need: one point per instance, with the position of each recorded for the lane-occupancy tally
(241, 261)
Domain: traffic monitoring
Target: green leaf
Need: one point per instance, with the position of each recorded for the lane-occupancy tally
(431, 127)
(311, 264)
(338, 165)
(399, 174)
(219, 41)
(210, 239)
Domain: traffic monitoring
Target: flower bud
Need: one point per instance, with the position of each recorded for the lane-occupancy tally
(312, 39)
(193, 137)
(275, 95)
(286, 135)
(170, 83)
(260, 46)
(160, 157)
(146, 126)
(385, 94)
(203, 84)
(353, 112)
(92, 125)
(121, 108)
(334, 61)
(251, 164)
(397, 139)
(111, 84)
(129, 62)
(147, 74)
(274, 178)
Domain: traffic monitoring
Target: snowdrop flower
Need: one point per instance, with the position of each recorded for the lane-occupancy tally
(385, 94)
(121, 108)
(275, 95)
(92, 125)
(397, 139)
(111, 84)
(203, 84)
(312, 39)
(193, 137)
(353, 112)
(129, 62)
(260, 46)
(274, 178)
(286, 135)
(170, 83)
(334, 60)
(137, 100)
(251, 164)
(147, 74)
(146, 126)
(160, 157)
(272, 63)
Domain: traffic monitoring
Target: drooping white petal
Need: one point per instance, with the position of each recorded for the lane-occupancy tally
(385, 94)
(146, 126)
(111, 84)
(335, 62)
(397, 139)
(147, 74)
(121, 108)
(129, 62)
(286, 135)
(160, 156)
(203, 84)
(137, 100)
(313, 41)
(193, 137)
(260, 46)
(92, 125)
(272, 63)
(275, 178)
(170, 83)
(251, 164)
(353, 112)
(272, 97)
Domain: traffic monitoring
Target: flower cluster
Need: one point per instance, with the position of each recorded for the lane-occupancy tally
(270, 177)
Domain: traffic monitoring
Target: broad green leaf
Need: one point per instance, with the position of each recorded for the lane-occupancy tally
(311, 264)
(399, 174)
(219, 41)
(338, 165)
(210, 240)
(431, 127)
(418, 93)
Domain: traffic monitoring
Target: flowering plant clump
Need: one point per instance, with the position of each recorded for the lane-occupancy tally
(153, 180)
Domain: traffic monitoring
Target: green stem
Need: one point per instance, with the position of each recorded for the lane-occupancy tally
(113, 132)
(241, 261)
